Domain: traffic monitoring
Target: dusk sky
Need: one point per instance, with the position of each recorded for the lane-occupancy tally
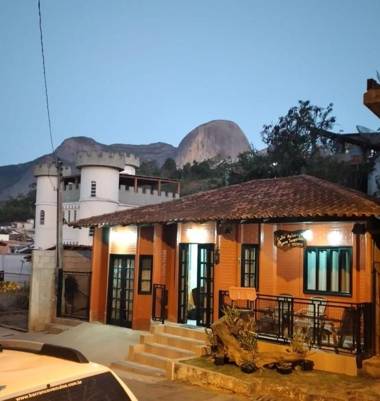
(137, 72)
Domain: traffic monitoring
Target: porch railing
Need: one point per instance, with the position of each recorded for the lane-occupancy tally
(159, 302)
(341, 326)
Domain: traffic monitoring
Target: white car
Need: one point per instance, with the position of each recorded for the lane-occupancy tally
(43, 372)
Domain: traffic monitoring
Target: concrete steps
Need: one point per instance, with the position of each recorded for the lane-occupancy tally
(161, 348)
(168, 351)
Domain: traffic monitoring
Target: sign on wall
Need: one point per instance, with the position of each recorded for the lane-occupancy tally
(289, 239)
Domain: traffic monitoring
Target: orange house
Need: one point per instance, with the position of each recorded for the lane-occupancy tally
(305, 245)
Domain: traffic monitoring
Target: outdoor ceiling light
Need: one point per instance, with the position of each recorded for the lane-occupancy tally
(335, 237)
(197, 234)
(308, 235)
(124, 236)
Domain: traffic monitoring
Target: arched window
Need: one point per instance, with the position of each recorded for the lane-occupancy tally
(42, 217)
(93, 189)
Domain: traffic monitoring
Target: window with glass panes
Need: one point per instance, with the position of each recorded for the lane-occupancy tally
(145, 274)
(249, 265)
(328, 270)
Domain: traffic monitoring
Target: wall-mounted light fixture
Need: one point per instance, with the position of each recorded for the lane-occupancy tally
(124, 236)
(197, 234)
(308, 235)
(335, 237)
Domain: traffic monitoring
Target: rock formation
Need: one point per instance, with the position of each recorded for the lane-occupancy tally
(218, 138)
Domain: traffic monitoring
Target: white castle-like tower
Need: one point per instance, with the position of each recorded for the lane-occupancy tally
(46, 206)
(99, 186)
(106, 182)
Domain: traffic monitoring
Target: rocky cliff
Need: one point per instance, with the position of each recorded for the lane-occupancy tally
(219, 138)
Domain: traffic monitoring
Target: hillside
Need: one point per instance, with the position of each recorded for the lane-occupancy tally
(216, 138)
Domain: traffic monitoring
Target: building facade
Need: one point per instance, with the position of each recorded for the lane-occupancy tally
(106, 183)
(306, 246)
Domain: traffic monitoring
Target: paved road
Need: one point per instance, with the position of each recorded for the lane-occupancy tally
(172, 391)
(100, 347)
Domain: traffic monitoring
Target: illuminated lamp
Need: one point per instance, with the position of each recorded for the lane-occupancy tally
(123, 237)
(335, 237)
(196, 235)
(308, 235)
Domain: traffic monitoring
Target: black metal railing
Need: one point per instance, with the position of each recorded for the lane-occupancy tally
(341, 326)
(74, 288)
(159, 302)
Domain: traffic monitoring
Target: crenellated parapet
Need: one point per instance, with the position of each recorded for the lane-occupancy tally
(116, 160)
(45, 169)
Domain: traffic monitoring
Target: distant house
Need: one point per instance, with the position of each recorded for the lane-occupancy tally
(106, 182)
(304, 244)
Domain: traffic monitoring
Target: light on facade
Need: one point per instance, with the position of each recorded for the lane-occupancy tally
(197, 235)
(335, 237)
(308, 235)
(126, 236)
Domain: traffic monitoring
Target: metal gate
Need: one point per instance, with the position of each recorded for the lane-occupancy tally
(14, 300)
(74, 288)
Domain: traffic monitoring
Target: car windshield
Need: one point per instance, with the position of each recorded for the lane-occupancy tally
(101, 387)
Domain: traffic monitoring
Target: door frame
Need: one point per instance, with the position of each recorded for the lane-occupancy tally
(119, 322)
(183, 290)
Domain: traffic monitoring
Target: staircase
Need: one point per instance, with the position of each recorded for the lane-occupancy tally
(158, 350)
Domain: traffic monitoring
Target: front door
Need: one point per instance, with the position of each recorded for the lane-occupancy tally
(196, 284)
(120, 290)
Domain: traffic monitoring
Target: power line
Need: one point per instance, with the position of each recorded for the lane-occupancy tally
(45, 81)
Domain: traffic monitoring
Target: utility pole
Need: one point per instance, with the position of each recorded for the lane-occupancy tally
(59, 243)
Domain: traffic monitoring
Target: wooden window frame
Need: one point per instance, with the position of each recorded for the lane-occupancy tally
(42, 217)
(140, 281)
(255, 247)
(328, 291)
(93, 189)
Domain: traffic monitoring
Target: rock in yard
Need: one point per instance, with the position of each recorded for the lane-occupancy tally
(248, 367)
(371, 367)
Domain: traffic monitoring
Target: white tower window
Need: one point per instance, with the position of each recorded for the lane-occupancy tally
(42, 217)
(75, 215)
(91, 231)
(69, 216)
(93, 189)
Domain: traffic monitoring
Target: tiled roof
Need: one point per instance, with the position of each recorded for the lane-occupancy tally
(296, 197)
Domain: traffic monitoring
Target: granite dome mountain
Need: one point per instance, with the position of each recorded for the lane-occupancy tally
(218, 138)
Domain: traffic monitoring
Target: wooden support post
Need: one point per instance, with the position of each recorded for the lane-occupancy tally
(135, 184)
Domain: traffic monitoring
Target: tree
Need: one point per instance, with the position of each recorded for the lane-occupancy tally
(291, 142)
(149, 168)
(250, 165)
(20, 208)
(169, 169)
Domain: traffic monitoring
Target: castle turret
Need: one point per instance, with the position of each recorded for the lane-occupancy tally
(46, 206)
(99, 186)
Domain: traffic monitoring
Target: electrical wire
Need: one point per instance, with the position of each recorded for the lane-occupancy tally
(45, 80)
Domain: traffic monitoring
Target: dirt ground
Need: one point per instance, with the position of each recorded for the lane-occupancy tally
(300, 385)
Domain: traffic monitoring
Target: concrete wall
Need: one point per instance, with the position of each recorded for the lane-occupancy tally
(42, 300)
(128, 196)
(46, 200)
(77, 260)
(15, 268)
(71, 194)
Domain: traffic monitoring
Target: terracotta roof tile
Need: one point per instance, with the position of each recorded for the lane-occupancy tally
(293, 197)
